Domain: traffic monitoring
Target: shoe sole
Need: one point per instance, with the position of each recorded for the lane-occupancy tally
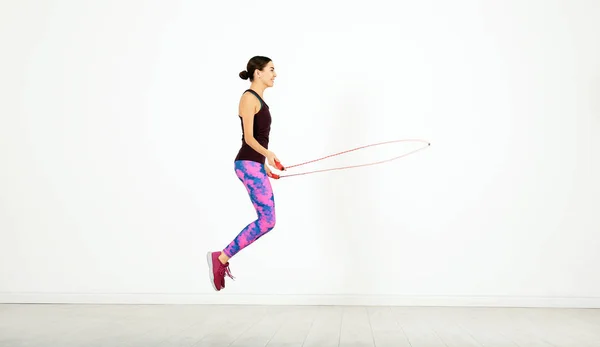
(210, 270)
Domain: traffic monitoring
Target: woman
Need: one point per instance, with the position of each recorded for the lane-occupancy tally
(250, 166)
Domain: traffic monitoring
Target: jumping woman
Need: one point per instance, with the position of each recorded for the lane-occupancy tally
(250, 166)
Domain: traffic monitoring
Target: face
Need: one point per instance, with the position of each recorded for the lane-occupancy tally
(267, 74)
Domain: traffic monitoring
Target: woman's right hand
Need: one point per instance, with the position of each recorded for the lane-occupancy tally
(272, 158)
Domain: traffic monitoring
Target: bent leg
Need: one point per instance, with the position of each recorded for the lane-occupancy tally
(256, 181)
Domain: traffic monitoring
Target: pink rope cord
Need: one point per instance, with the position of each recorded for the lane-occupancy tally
(280, 167)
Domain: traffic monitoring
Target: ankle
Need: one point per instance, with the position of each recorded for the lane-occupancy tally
(223, 258)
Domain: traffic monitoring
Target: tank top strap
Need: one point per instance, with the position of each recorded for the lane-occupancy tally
(262, 102)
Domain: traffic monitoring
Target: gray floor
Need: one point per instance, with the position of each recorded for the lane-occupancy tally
(195, 325)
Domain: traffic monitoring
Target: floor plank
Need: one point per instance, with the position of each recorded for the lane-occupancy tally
(294, 326)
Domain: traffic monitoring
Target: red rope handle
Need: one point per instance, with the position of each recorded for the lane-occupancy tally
(280, 167)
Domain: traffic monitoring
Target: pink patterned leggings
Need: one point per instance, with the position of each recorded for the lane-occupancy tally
(255, 179)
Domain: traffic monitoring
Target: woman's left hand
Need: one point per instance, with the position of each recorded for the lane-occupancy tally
(269, 173)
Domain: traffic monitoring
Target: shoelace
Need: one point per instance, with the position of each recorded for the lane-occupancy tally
(224, 270)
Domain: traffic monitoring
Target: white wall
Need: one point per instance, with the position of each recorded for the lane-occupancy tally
(119, 127)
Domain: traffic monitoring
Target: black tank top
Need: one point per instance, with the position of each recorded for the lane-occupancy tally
(261, 129)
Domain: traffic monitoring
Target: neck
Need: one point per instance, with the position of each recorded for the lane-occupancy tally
(258, 87)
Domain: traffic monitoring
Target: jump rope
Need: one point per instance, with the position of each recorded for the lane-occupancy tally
(282, 168)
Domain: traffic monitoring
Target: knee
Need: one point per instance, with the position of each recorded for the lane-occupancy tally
(268, 222)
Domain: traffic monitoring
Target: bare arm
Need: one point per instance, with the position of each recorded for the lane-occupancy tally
(248, 108)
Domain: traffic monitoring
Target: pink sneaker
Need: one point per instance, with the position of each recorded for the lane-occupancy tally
(217, 270)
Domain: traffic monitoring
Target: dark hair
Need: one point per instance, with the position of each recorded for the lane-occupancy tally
(255, 63)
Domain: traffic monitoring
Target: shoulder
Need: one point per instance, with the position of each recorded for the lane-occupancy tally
(248, 96)
(249, 100)
(249, 103)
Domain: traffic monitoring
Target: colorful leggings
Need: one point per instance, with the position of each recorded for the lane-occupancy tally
(254, 177)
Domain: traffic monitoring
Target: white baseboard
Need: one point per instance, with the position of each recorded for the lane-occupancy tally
(325, 300)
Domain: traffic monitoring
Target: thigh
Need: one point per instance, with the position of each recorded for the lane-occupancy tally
(254, 177)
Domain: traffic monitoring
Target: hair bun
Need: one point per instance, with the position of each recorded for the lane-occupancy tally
(244, 75)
